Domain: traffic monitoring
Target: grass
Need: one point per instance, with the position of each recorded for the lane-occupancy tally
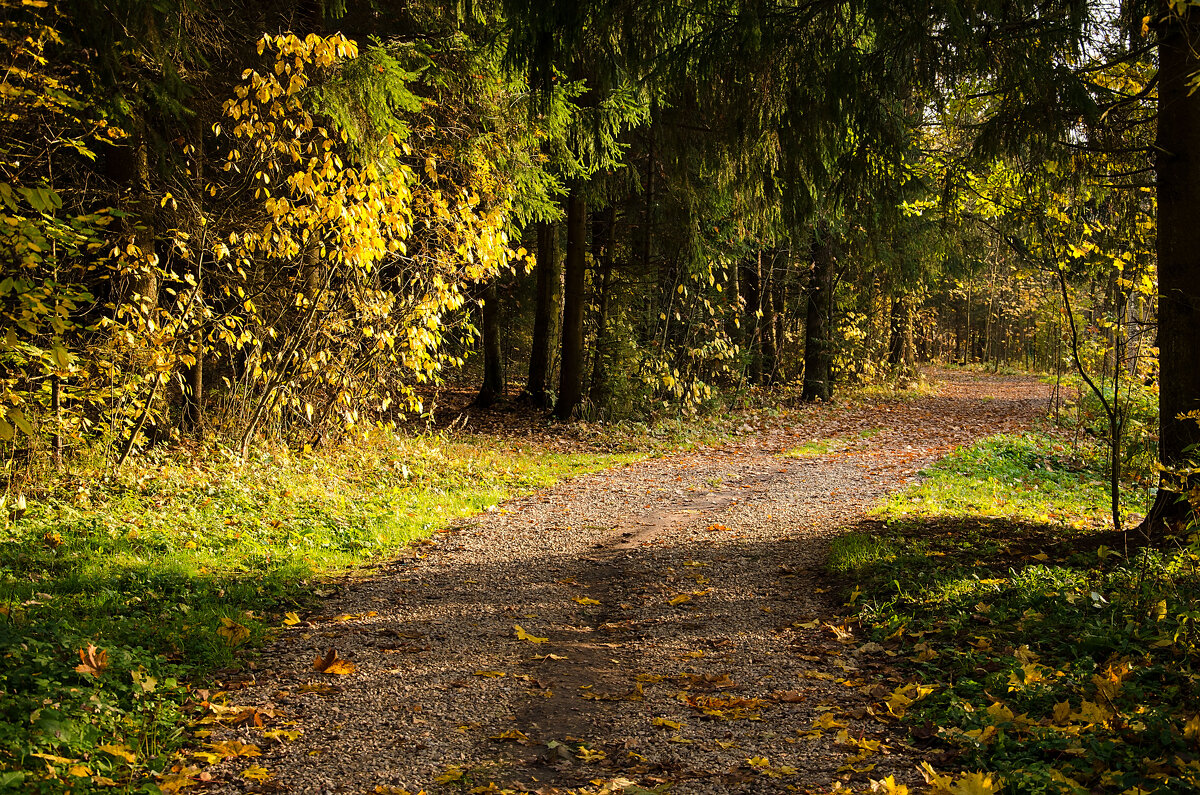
(1061, 663)
(1029, 476)
(180, 563)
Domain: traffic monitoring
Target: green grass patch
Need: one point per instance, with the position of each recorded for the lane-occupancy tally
(1059, 660)
(178, 564)
(1029, 476)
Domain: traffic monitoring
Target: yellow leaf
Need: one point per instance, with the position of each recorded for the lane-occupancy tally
(256, 773)
(511, 734)
(79, 771)
(55, 760)
(1062, 712)
(585, 600)
(291, 619)
(977, 783)
(233, 632)
(230, 749)
(523, 635)
(174, 782)
(826, 720)
(331, 663)
(121, 751)
(665, 723)
(493, 674)
(1191, 729)
(888, 786)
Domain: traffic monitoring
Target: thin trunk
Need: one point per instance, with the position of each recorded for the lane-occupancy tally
(570, 385)
(56, 405)
(546, 314)
(603, 239)
(752, 317)
(191, 421)
(818, 347)
(492, 387)
(766, 267)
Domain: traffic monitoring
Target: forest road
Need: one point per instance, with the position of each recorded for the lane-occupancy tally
(665, 622)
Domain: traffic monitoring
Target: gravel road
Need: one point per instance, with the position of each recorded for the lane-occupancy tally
(666, 622)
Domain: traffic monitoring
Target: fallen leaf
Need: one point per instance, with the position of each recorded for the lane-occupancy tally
(332, 664)
(121, 751)
(585, 600)
(511, 734)
(230, 749)
(256, 773)
(669, 724)
(291, 619)
(888, 786)
(788, 696)
(523, 635)
(233, 632)
(492, 674)
(827, 721)
(92, 661)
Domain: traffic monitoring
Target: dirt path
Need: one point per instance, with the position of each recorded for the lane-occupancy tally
(686, 614)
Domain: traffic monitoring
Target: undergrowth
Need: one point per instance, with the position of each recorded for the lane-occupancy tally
(1061, 660)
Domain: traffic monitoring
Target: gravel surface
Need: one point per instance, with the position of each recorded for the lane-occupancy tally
(692, 635)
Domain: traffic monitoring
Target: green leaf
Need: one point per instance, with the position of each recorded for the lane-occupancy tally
(18, 419)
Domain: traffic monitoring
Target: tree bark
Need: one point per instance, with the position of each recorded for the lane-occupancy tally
(603, 240)
(546, 314)
(191, 421)
(570, 384)
(766, 269)
(818, 346)
(1178, 250)
(489, 327)
(753, 317)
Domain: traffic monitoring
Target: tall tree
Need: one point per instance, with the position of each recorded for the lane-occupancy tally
(570, 384)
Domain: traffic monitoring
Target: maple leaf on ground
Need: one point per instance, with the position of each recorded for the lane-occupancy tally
(331, 663)
(523, 635)
(585, 600)
(888, 786)
(92, 661)
(233, 632)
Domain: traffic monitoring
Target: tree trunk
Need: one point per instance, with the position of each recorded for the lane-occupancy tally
(766, 267)
(753, 316)
(546, 314)
(1178, 250)
(818, 345)
(570, 384)
(902, 348)
(191, 421)
(489, 328)
(603, 240)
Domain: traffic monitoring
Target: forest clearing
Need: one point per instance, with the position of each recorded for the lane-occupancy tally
(596, 396)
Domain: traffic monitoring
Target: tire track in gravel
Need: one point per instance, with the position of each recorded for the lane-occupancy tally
(445, 690)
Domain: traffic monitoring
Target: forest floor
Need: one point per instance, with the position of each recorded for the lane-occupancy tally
(668, 622)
